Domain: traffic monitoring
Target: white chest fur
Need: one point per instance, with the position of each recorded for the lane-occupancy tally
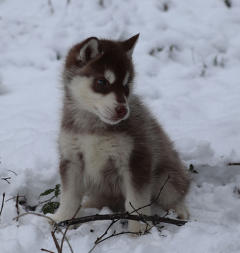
(97, 150)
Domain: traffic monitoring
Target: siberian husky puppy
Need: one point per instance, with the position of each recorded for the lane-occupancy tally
(111, 147)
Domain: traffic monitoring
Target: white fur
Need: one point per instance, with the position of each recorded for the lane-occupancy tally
(71, 195)
(96, 150)
(110, 76)
(134, 200)
(125, 81)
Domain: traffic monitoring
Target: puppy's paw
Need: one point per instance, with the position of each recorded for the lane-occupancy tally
(182, 211)
(55, 218)
(59, 216)
(137, 228)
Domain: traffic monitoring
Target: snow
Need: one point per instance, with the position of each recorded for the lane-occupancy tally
(187, 62)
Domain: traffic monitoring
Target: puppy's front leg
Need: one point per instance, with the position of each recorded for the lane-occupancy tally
(71, 190)
(136, 196)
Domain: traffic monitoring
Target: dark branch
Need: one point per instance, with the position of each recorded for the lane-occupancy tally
(234, 164)
(13, 172)
(46, 250)
(110, 236)
(106, 231)
(228, 3)
(17, 206)
(3, 198)
(56, 242)
(65, 232)
(155, 199)
(148, 226)
(154, 218)
(127, 216)
(6, 179)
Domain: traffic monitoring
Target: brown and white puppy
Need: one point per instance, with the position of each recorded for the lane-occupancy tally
(111, 147)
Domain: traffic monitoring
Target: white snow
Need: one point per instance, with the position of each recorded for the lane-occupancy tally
(188, 72)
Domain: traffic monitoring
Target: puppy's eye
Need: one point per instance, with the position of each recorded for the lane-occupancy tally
(101, 85)
(102, 82)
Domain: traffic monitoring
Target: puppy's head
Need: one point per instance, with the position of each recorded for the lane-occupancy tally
(98, 77)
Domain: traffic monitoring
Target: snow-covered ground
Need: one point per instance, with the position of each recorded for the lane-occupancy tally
(188, 72)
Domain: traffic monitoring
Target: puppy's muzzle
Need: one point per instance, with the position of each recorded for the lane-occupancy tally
(121, 111)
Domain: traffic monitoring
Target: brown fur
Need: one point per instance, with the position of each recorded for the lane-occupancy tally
(63, 167)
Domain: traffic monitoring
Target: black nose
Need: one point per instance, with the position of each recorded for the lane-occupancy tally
(121, 111)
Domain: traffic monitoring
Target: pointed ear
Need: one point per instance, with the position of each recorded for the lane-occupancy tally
(90, 49)
(129, 44)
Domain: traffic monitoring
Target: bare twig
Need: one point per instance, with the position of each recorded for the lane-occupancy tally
(66, 239)
(46, 250)
(65, 232)
(134, 210)
(6, 179)
(156, 198)
(14, 197)
(116, 234)
(36, 214)
(140, 214)
(3, 197)
(106, 231)
(17, 206)
(110, 236)
(228, 3)
(154, 218)
(48, 200)
(63, 238)
(148, 227)
(56, 242)
(13, 172)
(113, 217)
(234, 164)
(48, 218)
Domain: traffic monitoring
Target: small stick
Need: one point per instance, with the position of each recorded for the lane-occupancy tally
(106, 231)
(37, 214)
(13, 172)
(148, 225)
(65, 232)
(154, 218)
(56, 242)
(48, 200)
(6, 179)
(17, 206)
(157, 197)
(50, 219)
(233, 164)
(14, 197)
(3, 197)
(135, 210)
(46, 250)
(120, 233)
(110, 236)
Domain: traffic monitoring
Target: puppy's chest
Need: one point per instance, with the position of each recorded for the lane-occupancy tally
(100, 153)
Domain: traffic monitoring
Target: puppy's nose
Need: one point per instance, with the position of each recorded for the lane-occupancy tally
(121, 111)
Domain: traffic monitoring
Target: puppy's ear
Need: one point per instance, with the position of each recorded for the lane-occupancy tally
(129, 44)
(90, 49)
